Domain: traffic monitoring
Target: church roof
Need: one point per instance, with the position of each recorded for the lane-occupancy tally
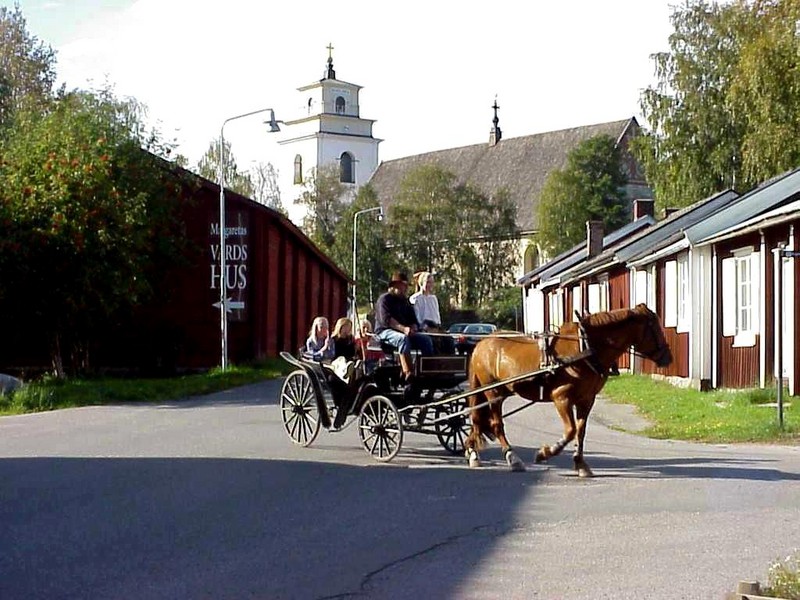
(520, 164)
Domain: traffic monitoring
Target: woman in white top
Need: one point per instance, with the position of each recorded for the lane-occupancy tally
(425, 303)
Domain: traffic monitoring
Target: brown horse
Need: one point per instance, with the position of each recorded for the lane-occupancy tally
(571, 388)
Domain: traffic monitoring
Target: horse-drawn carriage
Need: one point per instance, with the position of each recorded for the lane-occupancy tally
(568, 370)
(314, 397)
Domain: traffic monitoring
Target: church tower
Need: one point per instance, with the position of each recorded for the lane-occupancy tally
(329, 132)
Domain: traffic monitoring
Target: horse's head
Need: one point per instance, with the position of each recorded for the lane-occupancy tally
(651, 343)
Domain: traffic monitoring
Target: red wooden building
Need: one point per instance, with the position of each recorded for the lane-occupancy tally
(277, 279)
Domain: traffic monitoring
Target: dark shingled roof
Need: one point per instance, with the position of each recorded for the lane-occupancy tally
(521, 164)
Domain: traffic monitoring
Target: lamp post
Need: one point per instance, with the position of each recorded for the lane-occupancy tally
(355, 230)
(223, 301)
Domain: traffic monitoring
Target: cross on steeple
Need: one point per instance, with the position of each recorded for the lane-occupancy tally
(495, 135)
(329, 72)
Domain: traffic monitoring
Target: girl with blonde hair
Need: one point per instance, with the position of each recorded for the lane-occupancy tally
(319, 344)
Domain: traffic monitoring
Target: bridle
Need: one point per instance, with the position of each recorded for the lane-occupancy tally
(652, 330)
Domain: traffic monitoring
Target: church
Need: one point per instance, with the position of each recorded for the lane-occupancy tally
(521, 165)
(331, 131)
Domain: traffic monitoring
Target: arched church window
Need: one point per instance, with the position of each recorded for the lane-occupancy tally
(531, 259)
(298, 169)
(339, 105)
(346, 170)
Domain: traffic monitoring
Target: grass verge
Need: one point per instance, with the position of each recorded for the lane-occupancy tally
(50, 393)
(719, 416)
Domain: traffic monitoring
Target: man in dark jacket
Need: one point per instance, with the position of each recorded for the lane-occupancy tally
(396, 323)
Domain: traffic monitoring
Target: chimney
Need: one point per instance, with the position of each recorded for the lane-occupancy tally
(643, 207)
(594, 238)
(495, 135)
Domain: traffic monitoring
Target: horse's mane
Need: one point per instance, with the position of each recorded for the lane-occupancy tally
(614, 316)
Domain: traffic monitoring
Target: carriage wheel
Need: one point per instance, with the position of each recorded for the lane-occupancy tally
(453, 431)
(299, 410)
(380, 428)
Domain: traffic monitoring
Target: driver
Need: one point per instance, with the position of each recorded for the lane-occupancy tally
(396, 323)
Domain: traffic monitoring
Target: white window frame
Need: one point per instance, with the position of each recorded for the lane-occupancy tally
(556, 306)
(577, 302)
(597, 296)
(641, 283)
(741, 286)
(670, 293)
(604, 303)
(683, 299)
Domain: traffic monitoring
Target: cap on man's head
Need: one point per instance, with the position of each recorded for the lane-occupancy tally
(398, 277)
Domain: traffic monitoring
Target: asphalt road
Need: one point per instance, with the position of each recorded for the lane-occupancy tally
(207, 498)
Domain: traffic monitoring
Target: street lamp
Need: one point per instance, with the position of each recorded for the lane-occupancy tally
(355, 230)
(223, 301)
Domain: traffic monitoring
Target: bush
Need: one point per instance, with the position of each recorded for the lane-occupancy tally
(783, 580)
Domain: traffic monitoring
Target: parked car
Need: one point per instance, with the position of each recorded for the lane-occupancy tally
(471, 335)
(456, 327)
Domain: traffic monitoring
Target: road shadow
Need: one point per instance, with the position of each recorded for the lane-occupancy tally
(236, 528)
(605, 465)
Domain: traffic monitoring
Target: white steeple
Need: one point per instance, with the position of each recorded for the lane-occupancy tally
(330, 130)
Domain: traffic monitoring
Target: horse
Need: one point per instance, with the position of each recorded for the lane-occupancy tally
(571, 387)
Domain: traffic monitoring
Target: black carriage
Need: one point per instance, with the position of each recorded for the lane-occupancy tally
(375, 398)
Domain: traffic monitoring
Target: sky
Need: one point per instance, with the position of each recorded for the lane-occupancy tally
(430, 70)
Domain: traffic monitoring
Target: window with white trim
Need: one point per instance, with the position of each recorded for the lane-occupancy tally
(740, 293)
(556, 306)
(677, 310)
(670, 293)
(640, 284)
(682, 300)
(577, 302)
(597, 296)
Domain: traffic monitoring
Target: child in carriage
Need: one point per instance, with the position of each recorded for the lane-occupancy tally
(319, 345)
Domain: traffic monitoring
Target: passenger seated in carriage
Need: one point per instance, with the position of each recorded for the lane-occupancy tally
(426, 306)
(366, 343)
(320, 345)
(344, 342)
(342, 374)
(396, 324)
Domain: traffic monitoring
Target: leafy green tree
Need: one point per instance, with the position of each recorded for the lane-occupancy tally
(421, 218)
(765, 91)
(455, 231)
(724, 111)
(235, 180)
(325, 199)
(371, 256)
(590, 187)
(87, 220)
(27, 65)
(265, 187)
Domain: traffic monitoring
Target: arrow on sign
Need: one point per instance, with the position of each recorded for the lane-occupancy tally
(230, 305)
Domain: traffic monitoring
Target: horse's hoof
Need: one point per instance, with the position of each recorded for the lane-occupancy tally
(540, 457)
(514, 462)
(584, 472)
(474, 461)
